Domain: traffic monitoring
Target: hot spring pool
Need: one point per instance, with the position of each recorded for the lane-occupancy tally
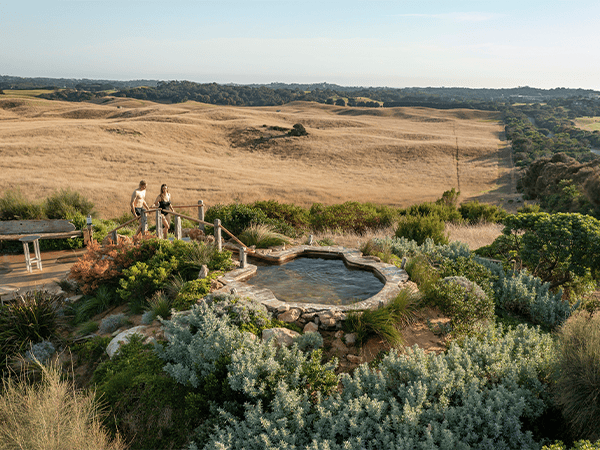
(316, 280)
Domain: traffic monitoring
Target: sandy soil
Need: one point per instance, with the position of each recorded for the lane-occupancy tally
(394, 156)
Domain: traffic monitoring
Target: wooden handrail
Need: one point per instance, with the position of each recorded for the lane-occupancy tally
(131, 221)
(234, 238)
(186, 206)
(193, 219)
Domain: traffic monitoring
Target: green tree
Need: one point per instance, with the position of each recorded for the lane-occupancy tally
(555, 247)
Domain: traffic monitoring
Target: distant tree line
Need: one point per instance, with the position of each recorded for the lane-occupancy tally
(542, 130)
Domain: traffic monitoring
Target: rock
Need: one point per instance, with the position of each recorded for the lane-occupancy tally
(282, 336)
(74, 298)
(410, 285)
(283, 308)
(339, 334)
(329, 319)
(354, 359)
(311, 327)
(123, 338)
(203, 271)
(339, 346)
(290, 316)
(350, 339)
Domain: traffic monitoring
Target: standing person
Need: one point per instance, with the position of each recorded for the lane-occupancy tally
(138, 203)
(163, 201)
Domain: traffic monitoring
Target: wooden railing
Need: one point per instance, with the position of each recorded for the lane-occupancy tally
(218, 228)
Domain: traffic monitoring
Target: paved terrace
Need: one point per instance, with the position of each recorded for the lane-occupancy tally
(14, 275)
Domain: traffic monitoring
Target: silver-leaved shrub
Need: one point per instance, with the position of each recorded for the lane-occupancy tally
(475, 396)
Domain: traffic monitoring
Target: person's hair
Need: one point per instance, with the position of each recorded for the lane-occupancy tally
(163, 194)
(142, 183)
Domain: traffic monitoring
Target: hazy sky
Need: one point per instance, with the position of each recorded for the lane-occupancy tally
(395, 43)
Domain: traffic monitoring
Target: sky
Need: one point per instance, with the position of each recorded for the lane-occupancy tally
(394, 43)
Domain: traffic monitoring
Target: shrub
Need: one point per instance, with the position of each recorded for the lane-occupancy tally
(350, 216)
(64, 203)
(30, 318)
(446, 212)
(308, 342)
(477, 395)
(465, 302)
(471, 270)
(577, 388)
(192, 291)
(421, 271)
(147, 406)
(112, 323)
(293, 215)
(14, 206)
(235, 217)
(579, 445)
(298, 130)
(528, 296)
(475, 212)
(419, 228)
(245, 313)
(262, 236)
(41, 352)
(51, 415)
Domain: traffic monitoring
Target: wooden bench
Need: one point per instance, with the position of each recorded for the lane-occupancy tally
(13, 230)
(32, 231)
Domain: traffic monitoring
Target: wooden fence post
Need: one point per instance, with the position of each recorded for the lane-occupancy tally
(144, 222)
(242, 257)
(218, 234)
(114, 237)
(177, 227)
(201, 214)
(159, 224)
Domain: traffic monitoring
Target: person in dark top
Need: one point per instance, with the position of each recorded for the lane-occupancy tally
(163, 201)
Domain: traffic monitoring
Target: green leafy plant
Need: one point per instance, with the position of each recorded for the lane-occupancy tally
(475, 212)
(66, 202)
(577, 388)
(466, 303)
(192, 291)
(88, 327)
(419, 228)
(421, 270)
(14, 206)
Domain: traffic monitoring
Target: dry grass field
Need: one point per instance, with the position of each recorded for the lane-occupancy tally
(394, 156)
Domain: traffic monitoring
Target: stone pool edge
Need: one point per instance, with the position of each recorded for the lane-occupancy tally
(392, 277)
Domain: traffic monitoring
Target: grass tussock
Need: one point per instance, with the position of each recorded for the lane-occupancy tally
(51, 415)
(578, 386)
(262, 236)
(385, 322)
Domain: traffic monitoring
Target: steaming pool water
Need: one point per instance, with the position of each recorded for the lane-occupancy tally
(316, 280)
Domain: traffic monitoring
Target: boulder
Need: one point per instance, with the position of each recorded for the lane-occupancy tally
(203, 271)
(282, 336)
(330, 318)
(289, 316)
(311, 327)
(123, 338)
